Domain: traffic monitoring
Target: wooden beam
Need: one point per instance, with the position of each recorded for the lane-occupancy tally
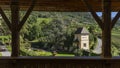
(106, 32)
(5, 18)
(26, 15)
(115, 19)
(96, 17)
(61, 5)
(15, 33)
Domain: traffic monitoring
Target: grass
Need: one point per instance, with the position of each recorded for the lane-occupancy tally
(115, 32)
(25, 52)
(65, 55)
(9, 48)
(116, 38)
(41, 53)
(115, 42)
(47, 20)
(0, 54)
(4, 36)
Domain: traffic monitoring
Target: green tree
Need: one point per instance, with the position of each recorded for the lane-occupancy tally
(54, 32)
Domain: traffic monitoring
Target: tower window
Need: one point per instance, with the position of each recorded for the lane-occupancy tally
(84, 44)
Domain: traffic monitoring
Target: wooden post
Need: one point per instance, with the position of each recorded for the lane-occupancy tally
(15, 32)
(106, 31)
(17, 25)
(105, 26)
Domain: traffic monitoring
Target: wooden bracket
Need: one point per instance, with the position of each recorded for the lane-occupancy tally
(96, 17)
(22, 22)
(115, 19)
(5, 18)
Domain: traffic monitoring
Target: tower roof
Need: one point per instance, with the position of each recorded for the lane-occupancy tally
(82, 30)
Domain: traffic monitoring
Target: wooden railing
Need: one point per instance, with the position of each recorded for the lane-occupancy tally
(58, 62)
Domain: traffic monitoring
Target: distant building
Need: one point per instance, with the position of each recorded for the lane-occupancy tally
(82, 35)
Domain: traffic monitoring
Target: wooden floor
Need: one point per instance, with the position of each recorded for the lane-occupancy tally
(59, 62)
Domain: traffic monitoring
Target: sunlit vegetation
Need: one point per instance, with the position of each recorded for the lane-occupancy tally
(0, 54)
(45, 32)
(115, 42)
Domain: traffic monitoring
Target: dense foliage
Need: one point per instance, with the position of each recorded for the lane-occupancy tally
(54, 31)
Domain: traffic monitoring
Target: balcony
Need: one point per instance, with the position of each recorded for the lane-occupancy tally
(105, 6)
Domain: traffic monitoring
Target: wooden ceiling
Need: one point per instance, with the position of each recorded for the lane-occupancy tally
(61, 5)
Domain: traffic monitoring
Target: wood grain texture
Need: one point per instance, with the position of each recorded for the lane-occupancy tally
(57, 62)
(61, 5)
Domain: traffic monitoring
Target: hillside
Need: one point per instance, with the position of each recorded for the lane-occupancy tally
(55, 31)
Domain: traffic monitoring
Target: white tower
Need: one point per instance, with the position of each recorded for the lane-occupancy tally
(82, 35)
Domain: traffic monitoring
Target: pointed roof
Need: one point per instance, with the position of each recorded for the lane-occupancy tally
(82, 30)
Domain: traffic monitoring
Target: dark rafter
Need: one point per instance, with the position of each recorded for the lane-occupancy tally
(96, 17)
(27, 15)
(5, 18)
(115, 19)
